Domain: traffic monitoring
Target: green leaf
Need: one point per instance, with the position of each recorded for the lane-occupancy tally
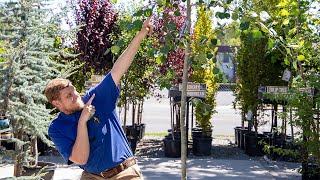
(160, 9)
(301, 44)
(115, 49)
(203, 40)
(214, 42)
(164, 50)
(114, 1)
(301, 58)
(284, 12)
(177, 13)
(286, 61)
(137, 24)
(202, 57)
(225, 80)
(158, 60)
(270, 43)
(214, 60)
(160, 2)
(285, 22)
(150, 53)
(227, 15)
(172, 26)
(209, 55)
(244, 25)
(295, 65)
(188, 39)
(221, 15)
(288, 50)
(264, 28)
(138, 13)
(120, 43)
(292, 31)
(234, 16)
(130, 27)
(165, 16)
(308, 44)
(229, 1)
(256, 34)
(147, 12)
(237, 32)
(215, 70)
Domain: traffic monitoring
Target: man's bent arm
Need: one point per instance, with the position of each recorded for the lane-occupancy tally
(81, 147)
(126, 58)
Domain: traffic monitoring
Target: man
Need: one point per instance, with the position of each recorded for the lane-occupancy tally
(87, 131)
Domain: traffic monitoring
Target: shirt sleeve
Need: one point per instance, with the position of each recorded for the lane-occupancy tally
(106, 92)
(63, 144)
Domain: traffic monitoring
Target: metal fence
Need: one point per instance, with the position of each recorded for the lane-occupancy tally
(156, 113)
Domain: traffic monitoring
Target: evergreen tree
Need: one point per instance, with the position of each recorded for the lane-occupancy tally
(27, 49)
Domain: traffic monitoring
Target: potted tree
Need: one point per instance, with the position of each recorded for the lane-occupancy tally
(136, 84)
(203, 48)
(255, 67)
(24, 73)
(169, 27)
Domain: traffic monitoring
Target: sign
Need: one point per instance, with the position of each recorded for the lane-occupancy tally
(95, 80)
(283, 90)
(195, 90)
(286, 75)
(273, 89)
(194, 87)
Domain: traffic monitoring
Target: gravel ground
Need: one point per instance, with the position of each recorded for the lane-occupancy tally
(222, 148)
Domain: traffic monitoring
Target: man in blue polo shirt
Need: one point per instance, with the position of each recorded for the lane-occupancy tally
(87, 131)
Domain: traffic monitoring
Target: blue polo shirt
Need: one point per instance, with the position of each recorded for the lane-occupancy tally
(108, 143)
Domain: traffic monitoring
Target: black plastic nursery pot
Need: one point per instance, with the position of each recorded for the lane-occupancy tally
(172, 147)
(251, 145)
(142, 130)
(198, 133)
(202, 146)
(236, 133)
(133, 131)
(49, 170)
(241, 132)
(133, 143)
(311, 172)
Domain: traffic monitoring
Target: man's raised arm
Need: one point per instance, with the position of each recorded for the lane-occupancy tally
(126, 58)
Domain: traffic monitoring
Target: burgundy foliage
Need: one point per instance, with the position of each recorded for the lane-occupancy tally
(97, 18)
(168, 36)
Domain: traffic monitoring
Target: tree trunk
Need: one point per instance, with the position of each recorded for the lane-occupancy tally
(34, 151)
(133, 113)
(184, 139)
(18, 157)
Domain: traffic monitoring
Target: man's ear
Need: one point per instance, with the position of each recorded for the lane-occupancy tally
(56, 104)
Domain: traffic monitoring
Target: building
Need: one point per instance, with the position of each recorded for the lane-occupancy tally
(226, 61)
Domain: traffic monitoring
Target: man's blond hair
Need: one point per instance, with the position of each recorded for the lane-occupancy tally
(53, 88)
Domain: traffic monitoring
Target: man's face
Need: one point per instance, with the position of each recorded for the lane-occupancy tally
(70, 101)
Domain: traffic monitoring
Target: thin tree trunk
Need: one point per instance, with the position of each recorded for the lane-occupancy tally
(34, 151)
(184, 139)
(18, 157)
(125, 117)
(133, 113)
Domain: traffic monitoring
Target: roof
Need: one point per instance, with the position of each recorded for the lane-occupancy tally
(227, 48)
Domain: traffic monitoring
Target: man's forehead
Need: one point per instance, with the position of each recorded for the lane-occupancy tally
(67, 88)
